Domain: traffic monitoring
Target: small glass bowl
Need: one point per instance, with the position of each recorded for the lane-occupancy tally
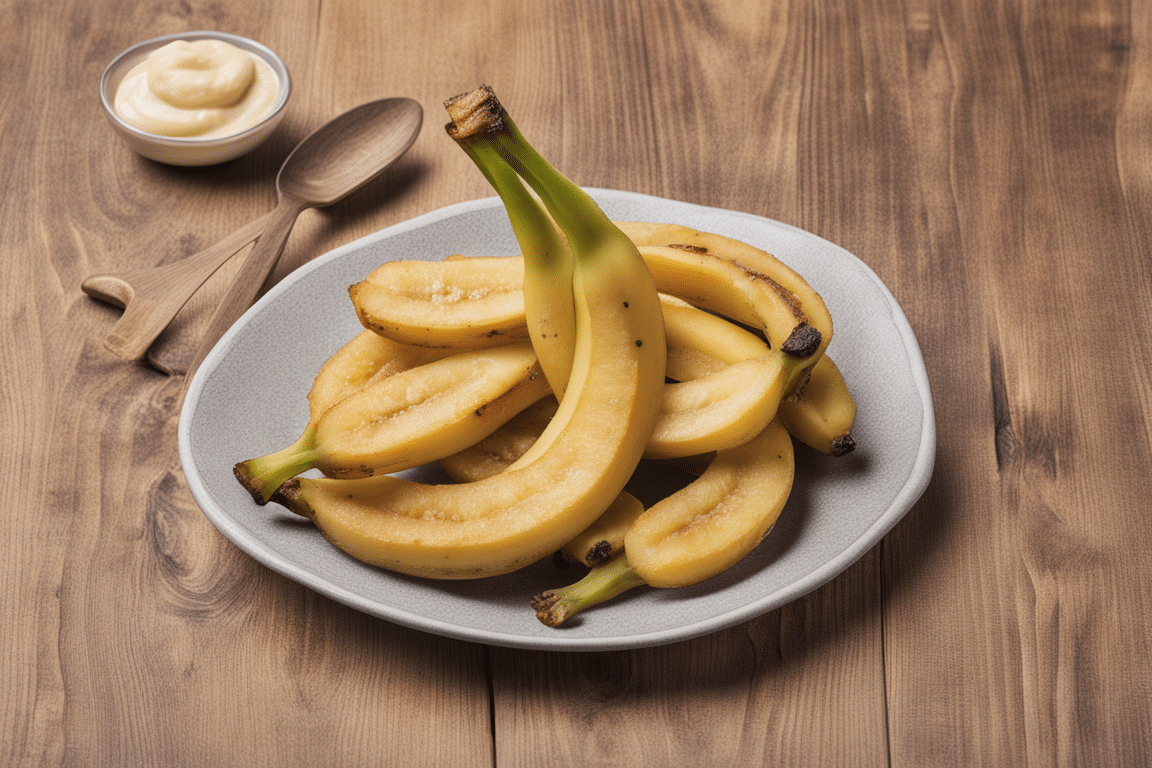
(174, 150)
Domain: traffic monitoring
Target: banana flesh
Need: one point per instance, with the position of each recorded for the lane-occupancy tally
(367, 358)
(409, 418)
(416, 415)
(693, 534)
(720, 410)
(823, 412)
(503, 446)
(700, 342)
(715, 521)
(454, 303)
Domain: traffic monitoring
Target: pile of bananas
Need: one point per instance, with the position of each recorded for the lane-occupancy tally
(542, 382)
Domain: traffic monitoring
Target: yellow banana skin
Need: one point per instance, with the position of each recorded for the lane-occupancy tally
(712, 280)
(713, 409)
(573, 473)
(822, 414)
(715, 521)
(800, 305)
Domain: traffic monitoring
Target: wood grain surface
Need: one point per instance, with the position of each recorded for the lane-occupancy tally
(991, 160)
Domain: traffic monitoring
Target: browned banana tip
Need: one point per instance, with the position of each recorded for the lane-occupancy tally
(802, 342)
(477, 111)
(241, 474)
(842, 445)
(288, 495)
(598, 553)
(544, 605)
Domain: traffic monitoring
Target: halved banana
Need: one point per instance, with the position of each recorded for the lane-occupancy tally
(410, 418)
(695, 533)
(800, 305)
(713, 522)
(454, 303)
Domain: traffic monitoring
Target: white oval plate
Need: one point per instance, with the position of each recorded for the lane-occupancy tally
(249, 398)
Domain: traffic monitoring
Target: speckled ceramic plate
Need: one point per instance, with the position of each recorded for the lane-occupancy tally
(249, 398)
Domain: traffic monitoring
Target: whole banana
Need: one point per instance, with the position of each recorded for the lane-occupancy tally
(546, 293)
(585, 456)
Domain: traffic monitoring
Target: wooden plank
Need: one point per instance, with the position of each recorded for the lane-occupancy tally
(729, 126)
(799, 686)
(1022, 581)
(134, 633)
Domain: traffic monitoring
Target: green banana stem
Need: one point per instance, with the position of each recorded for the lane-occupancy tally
(548, 307)
(263, 475)
(479, 118)
(534, 229)
(603, 582)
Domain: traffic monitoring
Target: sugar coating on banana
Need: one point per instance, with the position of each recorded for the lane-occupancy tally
(715, 521)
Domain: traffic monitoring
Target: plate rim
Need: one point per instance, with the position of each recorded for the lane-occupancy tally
(919, 473)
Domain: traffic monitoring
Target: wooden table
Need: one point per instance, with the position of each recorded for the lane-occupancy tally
(991, 161)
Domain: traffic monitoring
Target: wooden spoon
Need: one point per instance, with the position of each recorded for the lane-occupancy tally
(329, 164)
(151, 297)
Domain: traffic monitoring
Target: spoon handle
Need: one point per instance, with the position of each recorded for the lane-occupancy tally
(249, 280)
(153, 297)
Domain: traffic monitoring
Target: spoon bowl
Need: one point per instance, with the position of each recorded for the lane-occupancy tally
(346, 153)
